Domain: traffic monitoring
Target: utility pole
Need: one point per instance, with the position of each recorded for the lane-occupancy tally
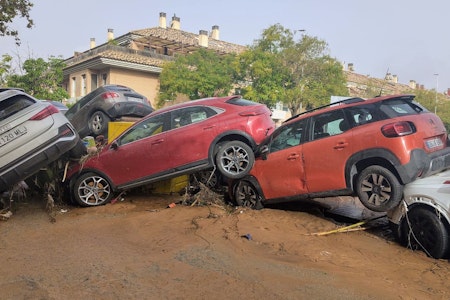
(435, 100)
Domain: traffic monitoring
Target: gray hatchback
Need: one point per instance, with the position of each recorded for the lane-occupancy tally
(92, 113)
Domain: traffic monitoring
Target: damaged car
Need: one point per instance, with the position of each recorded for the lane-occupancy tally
(91, 114)
(206, 134)
(422, 220)
(368, 148)
(33, 134)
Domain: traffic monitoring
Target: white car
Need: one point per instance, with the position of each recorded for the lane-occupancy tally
(422, 219)
(33, 134)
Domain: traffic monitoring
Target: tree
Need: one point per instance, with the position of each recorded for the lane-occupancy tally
(42, 79)
(5, 68)
(197, 75)
(9, 10)
(297, 73)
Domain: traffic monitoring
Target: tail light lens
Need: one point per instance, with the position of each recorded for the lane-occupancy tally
(48, 111)
(251, 113)
(109, 95)
(397, 129)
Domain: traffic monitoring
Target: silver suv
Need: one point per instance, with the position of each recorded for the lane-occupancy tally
(33, 134)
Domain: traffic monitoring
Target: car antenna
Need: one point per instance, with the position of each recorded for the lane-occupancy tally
(385, 79)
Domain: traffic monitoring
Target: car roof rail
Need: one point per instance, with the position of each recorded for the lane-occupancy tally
(345, 101)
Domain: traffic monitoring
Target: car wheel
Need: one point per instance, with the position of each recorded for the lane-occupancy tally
(209, 178)
(92, 190)
(247, 195)
(423, 229)
(235, 159)
(378, 189)
(98, 123)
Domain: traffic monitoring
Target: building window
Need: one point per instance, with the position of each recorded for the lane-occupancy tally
(94, 82)
(104, 77)
(73, 87)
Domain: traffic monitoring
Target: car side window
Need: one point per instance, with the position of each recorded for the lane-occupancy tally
(287, 136)
(149, 127)
(190, 115)
(361, 115)
(328, 124)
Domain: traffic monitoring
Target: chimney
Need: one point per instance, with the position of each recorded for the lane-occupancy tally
(394, 78)
(92, 44)
(215, 32)
(162, 20)
(110, 34)
(412, 84)
(175, 24)
(203, 38)
(350, 67)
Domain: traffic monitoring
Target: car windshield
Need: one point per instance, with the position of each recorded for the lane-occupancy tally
(399, 107)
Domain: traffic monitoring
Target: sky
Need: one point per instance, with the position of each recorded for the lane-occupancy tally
(407, 38)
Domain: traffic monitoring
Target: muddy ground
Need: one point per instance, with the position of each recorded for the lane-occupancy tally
(139, 248)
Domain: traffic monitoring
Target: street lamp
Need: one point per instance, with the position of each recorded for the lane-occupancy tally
(435, 100)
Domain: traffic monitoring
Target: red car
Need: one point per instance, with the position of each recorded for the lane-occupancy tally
(369, 148)
(181, 139)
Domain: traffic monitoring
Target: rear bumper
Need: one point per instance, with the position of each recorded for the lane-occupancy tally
(129, 109)
(423, 165)
(32, 162)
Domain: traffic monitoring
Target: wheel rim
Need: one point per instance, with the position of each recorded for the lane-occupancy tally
(234, 160)
(208, 178)
(377, 189)
(246, 195)
(97, 123)
(94, 190)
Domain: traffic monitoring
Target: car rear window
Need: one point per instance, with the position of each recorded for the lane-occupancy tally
(399, 107)
(10, 106)
(241, 102)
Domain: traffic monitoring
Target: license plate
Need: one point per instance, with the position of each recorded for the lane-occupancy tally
(433, 143)
(134, 99)
(12, 135)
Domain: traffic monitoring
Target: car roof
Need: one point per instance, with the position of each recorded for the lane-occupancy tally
(203, 101)
(348, 102)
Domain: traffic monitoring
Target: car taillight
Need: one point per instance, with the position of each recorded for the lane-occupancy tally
(447, 182)
(397, 129)
(48, 111)
(109, 95)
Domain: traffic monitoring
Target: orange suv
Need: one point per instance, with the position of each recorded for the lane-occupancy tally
(368, 148)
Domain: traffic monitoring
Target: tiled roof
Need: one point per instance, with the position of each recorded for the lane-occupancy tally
(183, 39)
(358, 84)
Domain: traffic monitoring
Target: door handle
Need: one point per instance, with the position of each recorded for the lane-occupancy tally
(156, 142)
(341, 145)
(293, 156)
(209, 127)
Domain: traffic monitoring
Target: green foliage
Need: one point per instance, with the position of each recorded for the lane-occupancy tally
(435, 102)
(42, 78)
(11, 9)
(5, 68)
(298, 73)
(200, 74)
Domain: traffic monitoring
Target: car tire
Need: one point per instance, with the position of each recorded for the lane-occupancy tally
(246, 195)
(423, 229)
(210, 179)
(378, 189)
(98, 123)
(91, 189)
(235, 159)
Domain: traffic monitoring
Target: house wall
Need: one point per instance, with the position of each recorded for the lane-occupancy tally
(142, 82)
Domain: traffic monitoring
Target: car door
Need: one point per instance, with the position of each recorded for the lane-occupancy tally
(327, 151)
(139, 154)
(193, 130)
(281, 174)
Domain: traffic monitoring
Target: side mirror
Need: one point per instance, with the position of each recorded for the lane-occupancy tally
(264, 151)
(114, 145)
